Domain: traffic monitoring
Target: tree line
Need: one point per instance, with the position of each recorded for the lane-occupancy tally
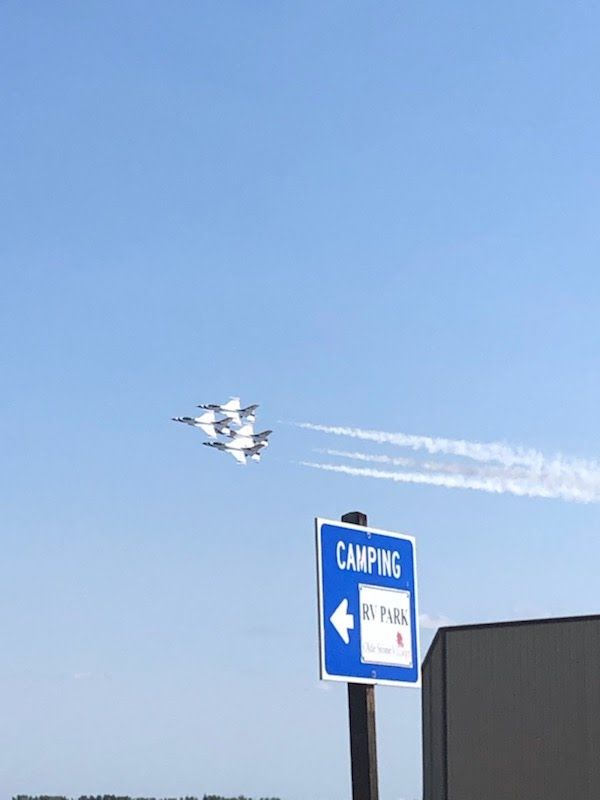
(127, 797)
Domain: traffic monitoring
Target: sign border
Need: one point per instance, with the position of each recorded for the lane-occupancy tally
(323, 674)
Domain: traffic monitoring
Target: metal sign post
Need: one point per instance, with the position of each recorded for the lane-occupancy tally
(361, 716)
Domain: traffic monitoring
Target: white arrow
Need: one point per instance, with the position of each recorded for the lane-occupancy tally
(342, 621)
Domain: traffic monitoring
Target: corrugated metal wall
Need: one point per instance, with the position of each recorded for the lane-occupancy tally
(517, 709)
(434, 725)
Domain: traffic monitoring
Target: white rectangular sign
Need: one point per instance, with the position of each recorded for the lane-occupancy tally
(385, 631)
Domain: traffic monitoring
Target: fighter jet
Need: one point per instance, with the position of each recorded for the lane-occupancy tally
(233, 410)
(208, 423)
(241, 454)
(246, 433)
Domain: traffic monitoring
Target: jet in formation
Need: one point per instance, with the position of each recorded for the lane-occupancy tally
(233, 410)
(241, 454)
(209, 423)
(235, 425)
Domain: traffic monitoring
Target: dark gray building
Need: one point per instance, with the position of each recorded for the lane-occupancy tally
(511, 711)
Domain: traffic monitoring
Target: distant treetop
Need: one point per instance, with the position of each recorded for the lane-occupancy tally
(127, 797)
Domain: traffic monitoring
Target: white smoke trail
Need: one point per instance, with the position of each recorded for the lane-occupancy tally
(557, 469)
(450, 467)
(495, 484)
(375, 459)
(568, 487)
(478, 451)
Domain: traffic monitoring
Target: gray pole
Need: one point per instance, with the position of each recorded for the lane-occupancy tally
(361, 713)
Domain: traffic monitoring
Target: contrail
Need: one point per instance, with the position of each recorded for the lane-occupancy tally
(493, 484)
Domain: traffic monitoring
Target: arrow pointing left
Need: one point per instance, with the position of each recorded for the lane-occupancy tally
(342, 621)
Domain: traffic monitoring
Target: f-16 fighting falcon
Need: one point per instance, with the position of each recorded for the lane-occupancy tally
(233, 409)
(246, 433)
(208, 423)
(241, 454)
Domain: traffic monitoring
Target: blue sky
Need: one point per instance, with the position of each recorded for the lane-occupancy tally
(377, 215)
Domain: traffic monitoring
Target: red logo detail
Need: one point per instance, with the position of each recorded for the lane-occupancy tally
(399, 639)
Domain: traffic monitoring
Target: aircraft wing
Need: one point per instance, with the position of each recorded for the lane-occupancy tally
(232, 405)
(209, 430)
(244, 432)
(240, 443)
(238, 455)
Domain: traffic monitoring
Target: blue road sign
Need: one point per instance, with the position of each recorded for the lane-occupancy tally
(367, 588)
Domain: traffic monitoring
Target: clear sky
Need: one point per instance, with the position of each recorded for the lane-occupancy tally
(381, 215)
